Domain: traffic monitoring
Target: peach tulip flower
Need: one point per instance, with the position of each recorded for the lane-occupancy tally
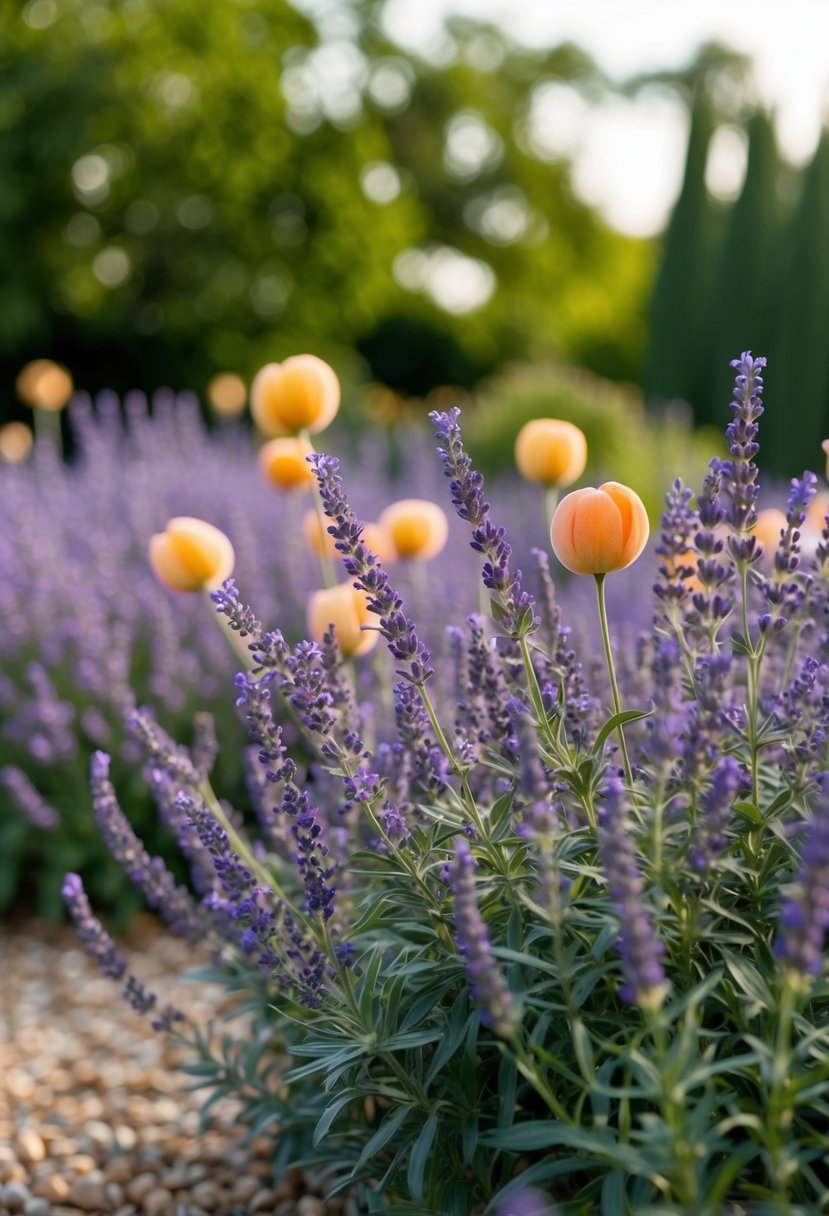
(346, 608)
(44, 385)
(301, 394)
(597, 531)
(16, 441)
(283, 463)
(770, 524)
(551, 451)
(191, 555)
(227, 394)
(418, 528)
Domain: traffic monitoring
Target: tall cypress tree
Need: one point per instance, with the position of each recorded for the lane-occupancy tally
(741, 304)
(797, 386)
(680, 296)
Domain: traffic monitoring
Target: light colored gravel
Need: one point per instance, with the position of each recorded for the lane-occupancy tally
(94, 1116)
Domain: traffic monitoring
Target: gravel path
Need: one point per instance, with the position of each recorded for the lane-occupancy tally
(94, 1116)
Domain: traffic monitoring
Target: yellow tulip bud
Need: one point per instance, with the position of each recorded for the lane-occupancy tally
(346, 609)
(283, 463)
(301, 394)
(551, 451)
(191, 555)
(596, 531)
(227, 394)
(16, 441)
(44, 385)
(418, 528)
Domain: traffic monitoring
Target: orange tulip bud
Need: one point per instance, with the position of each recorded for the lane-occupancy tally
(44, 385)
(227, 394)
(596, 531)
(346, 609)
(16, 441)
(418, 528)
(825, 446)
(770, 524)
(551, 451)
(283, 463)
(191, 555)
(301, 394)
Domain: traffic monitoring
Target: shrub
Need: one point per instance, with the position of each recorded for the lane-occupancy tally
(624, 441)
(480, 960)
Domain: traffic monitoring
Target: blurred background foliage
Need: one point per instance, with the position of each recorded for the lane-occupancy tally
(190, 188)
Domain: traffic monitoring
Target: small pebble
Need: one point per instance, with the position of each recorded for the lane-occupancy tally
(14, 1195)
(87, 1193)
(30, 1147)
(158, 1202)
(53, 1188)
(36, 1207)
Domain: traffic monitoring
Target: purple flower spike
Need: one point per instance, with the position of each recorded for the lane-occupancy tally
(804, 917)
(149, 874)
(369, 576)
(29, 801)
(637, 943)
(486, 983)
(96, 941)
(726, 781)
(739, 483)
(467, 489)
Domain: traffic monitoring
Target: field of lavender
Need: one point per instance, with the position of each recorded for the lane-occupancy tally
(514, 870)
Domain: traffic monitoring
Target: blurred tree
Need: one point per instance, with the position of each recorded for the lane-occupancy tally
(681, 293)
(797, 384)
(742, 305)
(192, 188)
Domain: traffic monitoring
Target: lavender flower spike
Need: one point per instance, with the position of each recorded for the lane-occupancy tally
(364, 567)
(740, 472)
(499, 1008)
(170, 899)
(28, 799)
(100, 947)
(637, 943)
(516, 614)
(96, 941)
(804, 917)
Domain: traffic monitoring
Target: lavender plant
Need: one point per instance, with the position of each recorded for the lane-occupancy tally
(486, 964)
(87, 634)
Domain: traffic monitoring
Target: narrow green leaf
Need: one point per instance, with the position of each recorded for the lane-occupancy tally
(387, 1129)
(419, 1157)
(330, 1113)
(584, 1050)
(616, 720)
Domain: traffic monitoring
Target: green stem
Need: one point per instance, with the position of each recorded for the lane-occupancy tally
(778, 1116)
(674, 1113)
(47, 428)
(611, 671)
(550, 504)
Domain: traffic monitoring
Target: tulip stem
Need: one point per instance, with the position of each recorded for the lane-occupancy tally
(611, 671)
(550, 504)
(47, 427)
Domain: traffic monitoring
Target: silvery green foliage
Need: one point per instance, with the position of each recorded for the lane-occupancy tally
(478, 969)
